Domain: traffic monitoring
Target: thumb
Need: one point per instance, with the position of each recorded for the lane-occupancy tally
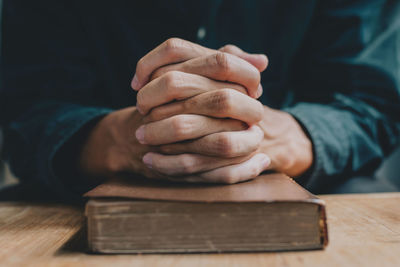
(260, 61)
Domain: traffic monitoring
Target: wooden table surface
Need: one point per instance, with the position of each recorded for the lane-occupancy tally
(364, 230)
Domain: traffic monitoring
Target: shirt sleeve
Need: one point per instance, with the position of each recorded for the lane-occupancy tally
(50, 89)
(346, 88)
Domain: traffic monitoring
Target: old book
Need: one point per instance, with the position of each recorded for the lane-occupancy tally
(269, 213)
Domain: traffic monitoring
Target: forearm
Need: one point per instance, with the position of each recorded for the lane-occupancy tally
(345, 86)
(348, 137)
(34, 139)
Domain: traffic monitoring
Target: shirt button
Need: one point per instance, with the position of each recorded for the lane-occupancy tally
(201, 33)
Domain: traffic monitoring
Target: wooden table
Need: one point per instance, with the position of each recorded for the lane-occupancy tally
(364, 231)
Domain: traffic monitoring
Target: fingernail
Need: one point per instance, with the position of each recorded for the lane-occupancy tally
(135, 83)
(147, 160)
(140, 135)
(259, 90)
(266, 162)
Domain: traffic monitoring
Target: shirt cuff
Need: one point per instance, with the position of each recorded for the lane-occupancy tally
(66, 127)
(330, 144)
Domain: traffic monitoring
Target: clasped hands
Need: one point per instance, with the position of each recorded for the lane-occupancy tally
(197, 120)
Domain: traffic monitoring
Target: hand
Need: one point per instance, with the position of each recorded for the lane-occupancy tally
(111, 149)
(208, 135)
(179, 86)
(230, 64)
(281, 137)
(194, 144)
(203, 79)
(285, 142)
(208, 97)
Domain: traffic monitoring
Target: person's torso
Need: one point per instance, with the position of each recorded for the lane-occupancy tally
(121, 32)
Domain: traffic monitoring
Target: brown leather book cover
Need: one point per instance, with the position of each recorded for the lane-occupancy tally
(268, 189)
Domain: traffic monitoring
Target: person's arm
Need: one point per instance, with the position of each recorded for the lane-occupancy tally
(347, 88)
(46, 66)
(58, 132)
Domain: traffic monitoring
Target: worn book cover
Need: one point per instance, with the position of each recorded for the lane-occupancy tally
(269, 213)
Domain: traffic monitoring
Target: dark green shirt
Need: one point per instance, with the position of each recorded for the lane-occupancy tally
(334, 65)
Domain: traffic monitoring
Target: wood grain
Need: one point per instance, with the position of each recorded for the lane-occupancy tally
(364, 231)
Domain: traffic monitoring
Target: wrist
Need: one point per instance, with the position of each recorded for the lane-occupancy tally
(286, 142)
(111, 146)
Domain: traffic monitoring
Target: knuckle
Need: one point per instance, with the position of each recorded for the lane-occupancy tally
(222, 64)
(258, 111)
(173, 45)
(225, 145)
(229, 48)
(222, 101)
(188, 164)
(173, 81)
(180, 127)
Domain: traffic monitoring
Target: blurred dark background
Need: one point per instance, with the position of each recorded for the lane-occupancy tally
(389, 170)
